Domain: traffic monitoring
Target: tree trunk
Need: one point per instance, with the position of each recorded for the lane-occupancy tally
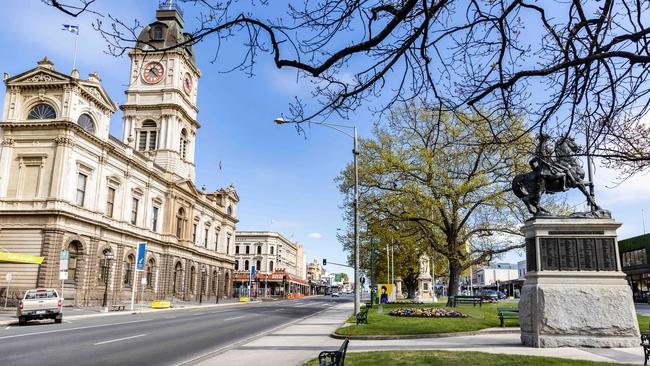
(455, 269)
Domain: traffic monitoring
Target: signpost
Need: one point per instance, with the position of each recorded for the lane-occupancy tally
(8, 278)
(250, 280)
(139, 266)
(63, 271)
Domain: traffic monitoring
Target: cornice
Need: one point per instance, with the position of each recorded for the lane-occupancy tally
(176, 107)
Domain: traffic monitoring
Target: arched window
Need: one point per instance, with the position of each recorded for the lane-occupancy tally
(246, 266)
(86, 122)
(128, 270)
(42, 111)
(258, 265)
(271, 266)
(229, 210)
(236, 265)
(272, 248)
(148, 136)
(192, 279)
(157, 33)
(259, 249)
(183, 144)
(180, 222)
(237, 249)
(151, 264)
(73, 254)
(178, 279)
(248, 249)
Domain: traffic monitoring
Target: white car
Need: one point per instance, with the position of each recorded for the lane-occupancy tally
(42, 303)
(335, 294)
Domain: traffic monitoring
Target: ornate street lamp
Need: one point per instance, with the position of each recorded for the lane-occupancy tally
(108, 257)
(217, 287)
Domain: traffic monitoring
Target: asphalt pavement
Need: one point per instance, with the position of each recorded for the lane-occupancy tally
(164, 338)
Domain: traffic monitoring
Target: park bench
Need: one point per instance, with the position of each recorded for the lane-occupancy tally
(362, 316)
(368, 305)
(118, 307)
(507, 313)
(456, 300)
(334, 358)
(645, 343)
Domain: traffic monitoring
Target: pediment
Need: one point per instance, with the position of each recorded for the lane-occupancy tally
(99, 94)
(187, 185)
(38, 75)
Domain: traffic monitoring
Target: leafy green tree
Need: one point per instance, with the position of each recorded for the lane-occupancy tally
(440, 180)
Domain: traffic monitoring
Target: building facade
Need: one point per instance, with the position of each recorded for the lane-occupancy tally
(636, 265)
(273, 257)
(66, 184)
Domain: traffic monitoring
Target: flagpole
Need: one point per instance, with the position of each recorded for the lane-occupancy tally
(74, 58)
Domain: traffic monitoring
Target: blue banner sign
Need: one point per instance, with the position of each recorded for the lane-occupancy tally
(142, 248)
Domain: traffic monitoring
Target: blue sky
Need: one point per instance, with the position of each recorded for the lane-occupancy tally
(285, 180)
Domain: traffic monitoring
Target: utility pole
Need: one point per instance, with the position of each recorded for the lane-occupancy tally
(372, 272)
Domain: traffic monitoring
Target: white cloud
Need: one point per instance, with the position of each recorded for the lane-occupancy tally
(315, 235)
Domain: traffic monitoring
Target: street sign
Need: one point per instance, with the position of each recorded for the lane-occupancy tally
(63, 264)
(252, 271)
(142, 248)
(8, 276)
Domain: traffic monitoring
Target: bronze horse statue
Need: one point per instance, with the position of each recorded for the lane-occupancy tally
(551, 175)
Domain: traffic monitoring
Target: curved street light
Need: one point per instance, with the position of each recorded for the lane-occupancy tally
(355, 153)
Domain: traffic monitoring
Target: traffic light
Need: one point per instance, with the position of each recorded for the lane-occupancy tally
(324, 261)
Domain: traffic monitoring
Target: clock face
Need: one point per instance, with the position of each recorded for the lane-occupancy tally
(187, 83)
(153, 72)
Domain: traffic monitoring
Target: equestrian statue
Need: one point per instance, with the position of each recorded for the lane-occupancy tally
(553, 170)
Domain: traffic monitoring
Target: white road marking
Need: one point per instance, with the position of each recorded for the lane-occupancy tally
(9, 327)
(170, 317)
(237, 317)
(119, 339)
(77, 328)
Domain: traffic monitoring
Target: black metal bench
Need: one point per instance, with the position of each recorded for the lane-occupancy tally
(334, 358)
(362, 316)
(118, 307)
(645, 343)
(455, 300)
(507, 313)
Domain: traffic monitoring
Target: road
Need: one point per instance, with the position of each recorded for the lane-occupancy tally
(165, 338)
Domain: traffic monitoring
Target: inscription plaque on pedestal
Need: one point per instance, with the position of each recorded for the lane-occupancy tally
(587, 254)
(576, 254)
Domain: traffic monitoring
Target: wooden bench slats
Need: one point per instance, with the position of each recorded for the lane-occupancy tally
(507, 313)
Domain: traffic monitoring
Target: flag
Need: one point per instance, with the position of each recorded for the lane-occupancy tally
(71, 28)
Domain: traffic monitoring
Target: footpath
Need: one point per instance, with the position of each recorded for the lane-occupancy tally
(305, 338)
(8, 316)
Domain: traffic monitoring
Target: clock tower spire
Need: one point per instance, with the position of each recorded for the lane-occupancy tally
(160, 110)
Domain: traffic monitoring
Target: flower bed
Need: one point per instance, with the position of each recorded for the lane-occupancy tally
(427, 313)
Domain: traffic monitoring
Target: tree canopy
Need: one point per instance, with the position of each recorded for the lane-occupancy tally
(436, 183)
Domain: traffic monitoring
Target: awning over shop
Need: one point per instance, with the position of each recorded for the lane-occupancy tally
(274, 277)
(20, 258)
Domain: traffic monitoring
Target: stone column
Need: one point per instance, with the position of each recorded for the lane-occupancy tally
(398, 288)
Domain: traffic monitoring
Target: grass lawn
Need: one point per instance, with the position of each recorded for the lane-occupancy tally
(384, 324)
(644, 322)
(447, 358)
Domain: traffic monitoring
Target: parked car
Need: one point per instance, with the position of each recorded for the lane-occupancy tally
(42, 303)
(335, 294)
(489, 295)
(502, 295)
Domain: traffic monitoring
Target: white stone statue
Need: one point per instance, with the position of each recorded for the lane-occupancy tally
(425, 282)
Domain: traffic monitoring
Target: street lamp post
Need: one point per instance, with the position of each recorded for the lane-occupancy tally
(355, 153)
(108, 257)
(217, 288)
(202, 283)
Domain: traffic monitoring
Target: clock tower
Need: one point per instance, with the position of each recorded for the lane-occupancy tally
(160, 110)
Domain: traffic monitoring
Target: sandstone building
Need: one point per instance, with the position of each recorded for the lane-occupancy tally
(66, 184)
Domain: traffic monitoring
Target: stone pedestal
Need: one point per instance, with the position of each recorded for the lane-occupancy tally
(425, 282)
(575, 294)
(398, 288)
